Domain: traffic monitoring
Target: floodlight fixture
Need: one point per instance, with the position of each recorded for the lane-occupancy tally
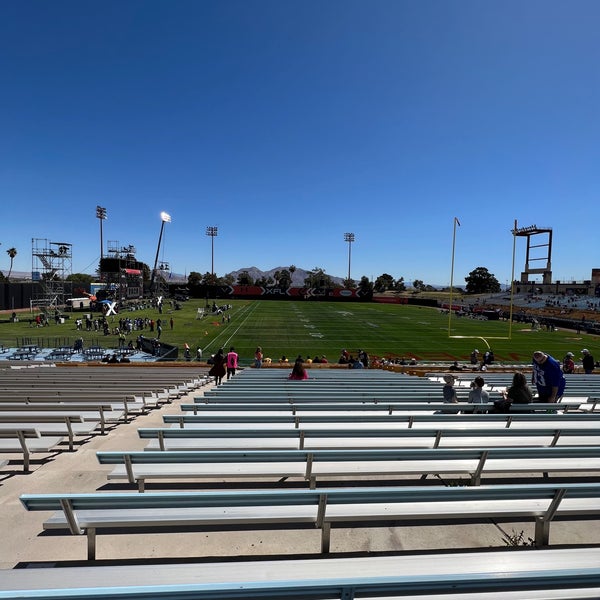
(165, 218)
(349, 237)
(212, 232)
(101, 215)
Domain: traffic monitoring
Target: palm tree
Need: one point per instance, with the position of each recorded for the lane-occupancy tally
(292, 270)
(12, 252)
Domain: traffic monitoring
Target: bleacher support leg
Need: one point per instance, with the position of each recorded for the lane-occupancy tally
(542, 532)
(91, 543)
(326, 538)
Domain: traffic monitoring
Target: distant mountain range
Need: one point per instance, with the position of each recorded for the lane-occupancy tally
(298, 276)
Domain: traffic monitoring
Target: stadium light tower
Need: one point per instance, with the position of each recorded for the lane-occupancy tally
(101, 215)
(212, 233)
(349, 237)
(165, 218)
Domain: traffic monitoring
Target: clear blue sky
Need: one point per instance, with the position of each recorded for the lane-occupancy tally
(288, 123)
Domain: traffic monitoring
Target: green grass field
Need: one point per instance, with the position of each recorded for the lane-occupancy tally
(309, 328)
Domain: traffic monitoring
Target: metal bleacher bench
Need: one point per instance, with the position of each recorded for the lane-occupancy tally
(88, 514)
(557, 574)
(138, 467)
(393, 404)
(25, 440)
(331, 437)
(101, 413)
(68, 425)
(307, 417)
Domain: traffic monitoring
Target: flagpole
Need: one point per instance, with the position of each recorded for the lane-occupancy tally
(452, 275)
(512, 282)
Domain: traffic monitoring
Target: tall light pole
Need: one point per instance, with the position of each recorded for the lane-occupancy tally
(212, 233)
(101, 215)
(165, 218)
(349, 237)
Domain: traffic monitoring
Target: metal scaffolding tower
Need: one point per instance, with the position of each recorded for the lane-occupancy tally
(123, 278)
(52, 263)
(161, 277)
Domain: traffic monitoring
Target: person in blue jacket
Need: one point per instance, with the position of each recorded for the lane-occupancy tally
(547, 377)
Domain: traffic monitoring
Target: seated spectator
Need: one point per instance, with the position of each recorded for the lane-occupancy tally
(298, 373)
(455, 367)
(448, 391)
(519, 391)
(478, 395)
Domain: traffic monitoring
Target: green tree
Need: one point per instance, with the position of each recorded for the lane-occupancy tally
(481, 281)
(348, 283)
(285, 279)
(365, 286)
(194, 278)
(383, 282)
(208, 278)
(12, 252)
(418, 285)
(399, 285)
(317, 278)
(245, 279)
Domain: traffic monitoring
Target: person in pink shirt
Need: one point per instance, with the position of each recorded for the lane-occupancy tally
(298, 372)
(232, 362)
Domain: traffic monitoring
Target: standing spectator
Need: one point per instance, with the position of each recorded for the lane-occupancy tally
(478, 395)
(587, 360)
(548, 377)
(232, 362)
(171, 323)
(568, 363)
(475, 357)
(218, 369)
(364, 358)
(258, 358)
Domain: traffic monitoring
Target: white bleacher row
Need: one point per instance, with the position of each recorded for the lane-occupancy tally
(42, 408)
(552, 574)
(469, 575)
